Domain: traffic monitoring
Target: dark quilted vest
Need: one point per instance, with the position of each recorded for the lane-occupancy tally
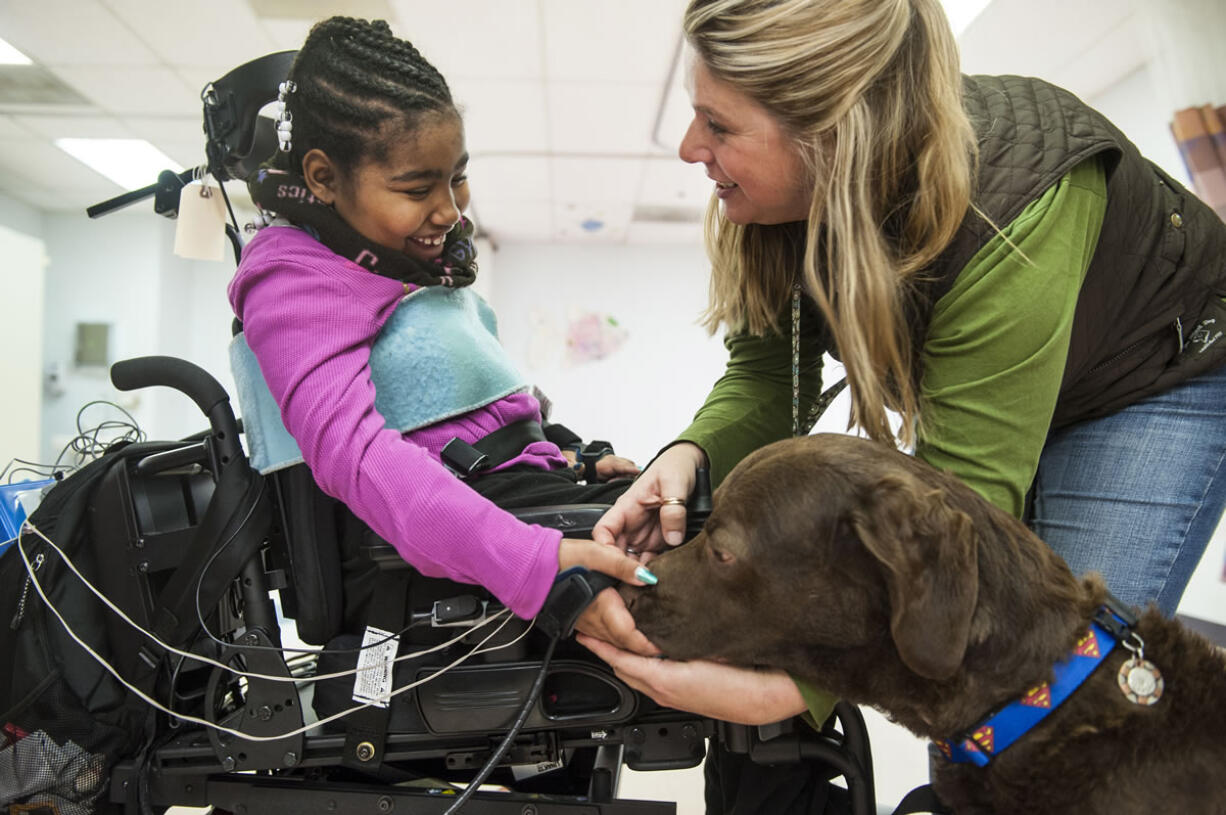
(1150, 313)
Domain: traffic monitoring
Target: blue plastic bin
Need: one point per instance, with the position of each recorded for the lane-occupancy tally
(16, 500)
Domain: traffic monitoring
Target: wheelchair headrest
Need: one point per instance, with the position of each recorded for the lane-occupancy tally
(238, 138)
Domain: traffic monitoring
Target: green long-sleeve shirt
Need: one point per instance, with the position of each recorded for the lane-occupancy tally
(993, 359)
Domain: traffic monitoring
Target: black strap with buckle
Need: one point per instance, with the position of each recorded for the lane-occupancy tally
(469, 460)
(589, 454)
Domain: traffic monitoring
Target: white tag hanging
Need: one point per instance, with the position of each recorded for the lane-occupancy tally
(200, 230)
(1139, 679)
(373, 682)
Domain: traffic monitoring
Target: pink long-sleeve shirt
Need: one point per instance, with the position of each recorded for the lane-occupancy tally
(310, 317)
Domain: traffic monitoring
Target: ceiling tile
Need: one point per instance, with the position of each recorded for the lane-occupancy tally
(630, 40)
(286, 35)
(496, 39)
(509, 221)
(50, 200)
(169, 128)
(669, 181)
(13, 179)
(188, 153)
(586, 117)
(10, 128)
(42, 164)
(596, 179)
(675, 111)
(37, 87)
(223, 32)
(318, 9)
(73, 32)
(515, 178)
(123, 89)
(76, 127)
(502, 116)
(198, 76)
(587, 222)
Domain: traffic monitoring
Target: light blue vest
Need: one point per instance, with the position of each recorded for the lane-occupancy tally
(437, 357)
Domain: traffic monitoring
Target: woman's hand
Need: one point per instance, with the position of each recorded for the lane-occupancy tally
(607, 617)
(726, 692)
(645, 518)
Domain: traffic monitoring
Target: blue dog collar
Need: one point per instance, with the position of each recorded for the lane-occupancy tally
(998, 731)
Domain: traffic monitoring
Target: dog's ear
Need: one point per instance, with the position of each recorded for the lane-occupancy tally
(927, 550)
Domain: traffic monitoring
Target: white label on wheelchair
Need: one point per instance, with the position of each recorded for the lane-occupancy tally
(373, 683)
(522, 771)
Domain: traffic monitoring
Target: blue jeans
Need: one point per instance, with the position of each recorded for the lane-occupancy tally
(1136, 495)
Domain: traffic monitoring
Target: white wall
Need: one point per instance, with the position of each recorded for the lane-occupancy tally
(21, 345)
(1135, 106)
(20, 217)
(120, 270)
(641, 396)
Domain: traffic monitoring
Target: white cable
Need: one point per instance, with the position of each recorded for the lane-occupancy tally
(221, 728)
(200, 657)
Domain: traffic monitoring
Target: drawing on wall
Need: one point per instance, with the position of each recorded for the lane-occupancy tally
(591, 336)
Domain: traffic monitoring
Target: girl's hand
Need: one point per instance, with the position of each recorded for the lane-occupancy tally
(614, 466)
(645, 518)
(607, 616)
(732, 694)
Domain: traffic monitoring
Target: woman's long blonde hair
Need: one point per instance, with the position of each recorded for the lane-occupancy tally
(871, 92)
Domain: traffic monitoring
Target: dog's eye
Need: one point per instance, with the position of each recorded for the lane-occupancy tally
(721, 555)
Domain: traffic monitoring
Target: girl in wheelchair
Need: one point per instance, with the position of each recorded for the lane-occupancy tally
(384, 366)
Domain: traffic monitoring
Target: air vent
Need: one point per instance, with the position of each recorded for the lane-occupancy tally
(667, 215)
(35, 85)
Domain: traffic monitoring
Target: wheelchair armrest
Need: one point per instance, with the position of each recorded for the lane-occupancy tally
(575, 521)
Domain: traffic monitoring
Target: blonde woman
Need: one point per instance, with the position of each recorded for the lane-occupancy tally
(992, 261)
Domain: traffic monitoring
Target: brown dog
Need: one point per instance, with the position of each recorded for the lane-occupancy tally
(873, 575)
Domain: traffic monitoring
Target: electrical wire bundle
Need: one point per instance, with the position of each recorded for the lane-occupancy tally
(90, 443)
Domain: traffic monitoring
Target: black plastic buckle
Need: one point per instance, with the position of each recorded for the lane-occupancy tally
(589, 454)
(463, 459)
(1116, 617)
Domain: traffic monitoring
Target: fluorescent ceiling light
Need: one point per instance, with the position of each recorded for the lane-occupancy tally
(11, 56)
(962, 13)
(130, 163)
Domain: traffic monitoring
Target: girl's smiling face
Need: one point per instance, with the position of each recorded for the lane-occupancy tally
(411, 197)
(756, 166)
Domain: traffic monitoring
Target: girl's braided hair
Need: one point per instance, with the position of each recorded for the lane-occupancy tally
(352, 77)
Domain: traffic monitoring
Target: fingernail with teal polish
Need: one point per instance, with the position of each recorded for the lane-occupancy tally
(644, 574)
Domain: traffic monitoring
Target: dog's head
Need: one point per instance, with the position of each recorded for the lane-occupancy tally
(828, 543)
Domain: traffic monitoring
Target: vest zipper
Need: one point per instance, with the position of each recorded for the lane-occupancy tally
(25, 591)
(1117, 356)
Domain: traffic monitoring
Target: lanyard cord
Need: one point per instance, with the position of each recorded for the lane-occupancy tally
(823, 402)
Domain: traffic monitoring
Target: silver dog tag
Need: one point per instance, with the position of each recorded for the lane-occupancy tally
(1140, 681)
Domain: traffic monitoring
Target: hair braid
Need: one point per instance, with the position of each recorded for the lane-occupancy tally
(353, 77)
